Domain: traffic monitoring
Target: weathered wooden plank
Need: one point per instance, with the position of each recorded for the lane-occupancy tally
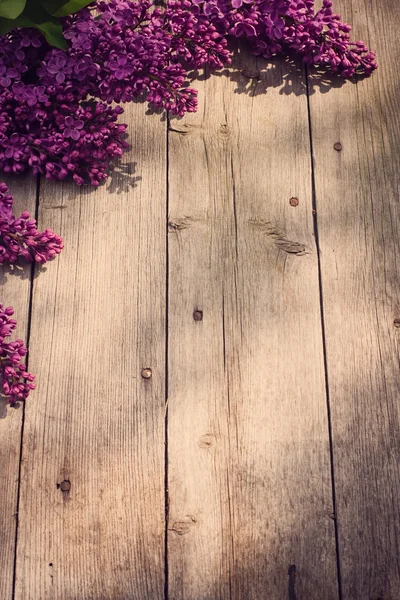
(249, 470)
(357, 192)
(15, 291)
(92, 484)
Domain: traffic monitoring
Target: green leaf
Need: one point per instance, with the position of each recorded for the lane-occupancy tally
(53, 33)
(6, 25)
(35, 15)
(11, 9)
(63, 8)
(51, 30)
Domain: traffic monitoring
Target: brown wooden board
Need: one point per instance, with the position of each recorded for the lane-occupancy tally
(357, 195)
(92, 489)
(15, 291)
(249, 467)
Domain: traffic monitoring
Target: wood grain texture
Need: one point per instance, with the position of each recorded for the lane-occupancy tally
(15, 291)
(357, 192)
(92, 486)
(249, 472)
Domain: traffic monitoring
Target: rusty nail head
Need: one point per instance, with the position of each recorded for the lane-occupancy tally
(396, 322)
(65, 485)
(146, 373)
(338, 146)
(198, 315)
(294, 201)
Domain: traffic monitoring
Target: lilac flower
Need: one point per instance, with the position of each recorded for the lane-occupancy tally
(30, 94)
(134, 48)
(56, 67)
(15, 382)
(73, 128)
(275, 26)
(19, 237)
(245, 28)
(120, 67)
(7, 74)
(30, 38)
(79, 36)
(84, 68)
(13, 149)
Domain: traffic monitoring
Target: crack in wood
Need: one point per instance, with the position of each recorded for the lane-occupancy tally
(279, 236)
(292, 582)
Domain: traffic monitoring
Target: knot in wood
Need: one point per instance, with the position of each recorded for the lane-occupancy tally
(206, 441)
(176, 225)
(224, 132)
(184, 526)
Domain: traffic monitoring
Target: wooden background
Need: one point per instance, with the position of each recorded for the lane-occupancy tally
(260, 461)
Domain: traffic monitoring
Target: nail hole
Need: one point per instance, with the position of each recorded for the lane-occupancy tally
(294, 201)
(396, 322)
(64, 486)
(198, 315)
(50, 564)
(337, 146)
(146, 373)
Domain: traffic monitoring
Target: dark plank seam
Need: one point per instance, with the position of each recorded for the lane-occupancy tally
(28, 335)
(166, 495)
(321, 301)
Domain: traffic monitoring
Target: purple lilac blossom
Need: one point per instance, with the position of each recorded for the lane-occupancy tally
(131, 49)
(20, 238)
(276, 26)
(15, 381)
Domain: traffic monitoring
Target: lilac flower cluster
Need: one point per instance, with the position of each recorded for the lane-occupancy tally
(20, 238)
(275, 26)
(16, 382)
(55, 134)
(130, 49)
(134, 48)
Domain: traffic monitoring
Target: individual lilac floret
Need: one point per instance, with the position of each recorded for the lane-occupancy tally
(19, 237)
(15, 381)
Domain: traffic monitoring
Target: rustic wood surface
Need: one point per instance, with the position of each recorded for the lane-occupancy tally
(271, 330)
(15, 283)
(92, 485)
(357, 196)
(248, 444)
